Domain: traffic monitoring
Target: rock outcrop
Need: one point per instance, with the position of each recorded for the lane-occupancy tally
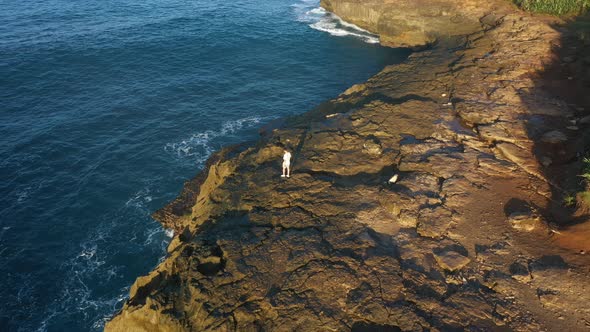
(340, 247)
(417, 23)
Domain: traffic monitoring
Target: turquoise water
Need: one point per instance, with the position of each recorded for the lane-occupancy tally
(108, 106)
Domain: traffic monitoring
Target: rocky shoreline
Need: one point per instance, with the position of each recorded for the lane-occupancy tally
(469, 236)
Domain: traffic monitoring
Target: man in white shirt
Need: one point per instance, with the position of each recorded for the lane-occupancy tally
(286, 164)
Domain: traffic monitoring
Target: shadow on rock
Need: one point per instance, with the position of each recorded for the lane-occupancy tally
(558, 122)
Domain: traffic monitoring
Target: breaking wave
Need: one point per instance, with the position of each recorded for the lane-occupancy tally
(320, 19)
(201, 145)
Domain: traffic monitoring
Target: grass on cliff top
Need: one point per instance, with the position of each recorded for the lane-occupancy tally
(555, 7)
(582, 197)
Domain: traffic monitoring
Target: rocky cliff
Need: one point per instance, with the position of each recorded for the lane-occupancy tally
(416, 23)
(464, 239)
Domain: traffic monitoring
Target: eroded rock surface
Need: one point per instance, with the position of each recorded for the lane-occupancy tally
(338, 247)
(417, 23)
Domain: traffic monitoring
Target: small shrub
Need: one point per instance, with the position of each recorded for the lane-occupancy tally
(554, 7)
(569, 200)
(584, 198)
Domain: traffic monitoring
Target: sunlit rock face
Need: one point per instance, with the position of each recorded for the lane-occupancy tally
(416, 23)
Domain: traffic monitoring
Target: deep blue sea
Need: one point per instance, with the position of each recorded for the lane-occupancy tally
(107, 107)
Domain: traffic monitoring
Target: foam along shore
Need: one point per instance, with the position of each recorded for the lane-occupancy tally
(460, 238)
(335, 26)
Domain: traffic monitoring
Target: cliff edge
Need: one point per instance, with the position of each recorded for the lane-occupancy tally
(462, 240)
(417, 23)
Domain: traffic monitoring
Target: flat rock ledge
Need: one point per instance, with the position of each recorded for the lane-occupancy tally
(338, 246)
(451, 260)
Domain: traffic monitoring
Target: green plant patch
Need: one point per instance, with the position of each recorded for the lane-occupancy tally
(585, 197)
(569, 200)
(554, 7)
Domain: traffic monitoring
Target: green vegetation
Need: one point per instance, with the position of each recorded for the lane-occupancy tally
(581, 198)
(569, 200)
(585, 197)
(555, 7)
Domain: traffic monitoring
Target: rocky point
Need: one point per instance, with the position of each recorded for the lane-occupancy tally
(464, 239)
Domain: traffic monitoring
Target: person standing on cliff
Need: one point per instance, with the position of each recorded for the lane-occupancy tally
(286, 164)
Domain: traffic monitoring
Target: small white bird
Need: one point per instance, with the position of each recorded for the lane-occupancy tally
(393, 179)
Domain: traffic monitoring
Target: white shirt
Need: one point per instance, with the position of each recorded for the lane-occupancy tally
(287, 157)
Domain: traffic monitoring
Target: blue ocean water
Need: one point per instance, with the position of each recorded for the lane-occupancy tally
(107, 107)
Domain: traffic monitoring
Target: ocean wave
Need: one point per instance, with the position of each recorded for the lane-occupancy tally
(140, 201)
(200, 146)
(319, 19)
(96, 263)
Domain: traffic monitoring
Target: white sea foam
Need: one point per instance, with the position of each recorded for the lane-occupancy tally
(152, 234)
(200, 145)
(92, 262)
(140, 201)
(320, 19)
